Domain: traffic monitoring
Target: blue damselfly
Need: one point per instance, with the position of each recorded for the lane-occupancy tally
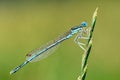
(47, 49)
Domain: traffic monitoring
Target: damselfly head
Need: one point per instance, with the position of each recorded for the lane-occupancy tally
(77, 28)
(83, 24)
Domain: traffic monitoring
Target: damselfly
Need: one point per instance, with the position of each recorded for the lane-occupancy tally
(46, 50)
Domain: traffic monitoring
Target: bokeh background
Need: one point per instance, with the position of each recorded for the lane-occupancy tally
(26, 25)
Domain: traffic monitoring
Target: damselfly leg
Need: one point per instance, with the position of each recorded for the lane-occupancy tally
(80, 36)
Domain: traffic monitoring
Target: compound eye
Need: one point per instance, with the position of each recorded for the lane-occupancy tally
(83, 24)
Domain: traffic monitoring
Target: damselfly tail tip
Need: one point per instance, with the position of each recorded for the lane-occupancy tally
(11, 72)
(14, 70)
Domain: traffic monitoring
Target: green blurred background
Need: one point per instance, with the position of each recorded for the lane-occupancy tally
(25, 25)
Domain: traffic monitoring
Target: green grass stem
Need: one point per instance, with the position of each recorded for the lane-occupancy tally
(86, 54)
